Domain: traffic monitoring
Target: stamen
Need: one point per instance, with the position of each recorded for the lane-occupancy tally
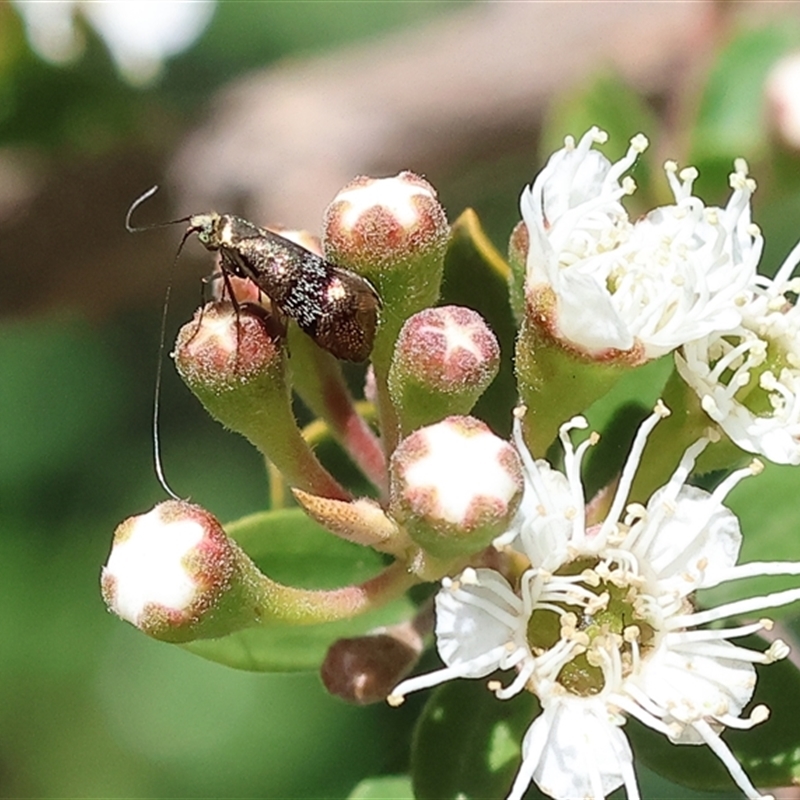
(721, 492)
(510, 619)
(550, 663)
(529, 465)
(438, 676)
(777, 651)
(758, 715)
(678, 638)
(736, 608)
(631, 465)
(788, 267)
(638, 145)
(572, 467)
(724, 754)
(754, 346)
(518, 684)
(740, 653)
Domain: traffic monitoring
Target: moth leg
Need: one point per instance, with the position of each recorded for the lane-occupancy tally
(205, 281)
(275, 327)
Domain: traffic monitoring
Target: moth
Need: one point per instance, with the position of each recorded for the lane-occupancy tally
(336, 307)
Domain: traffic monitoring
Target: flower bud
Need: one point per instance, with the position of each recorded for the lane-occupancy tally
(235, 367)
(394, 232)
(364, 669)
(382, 226)
(454, 486)
(177, 576)
(221, 350)
(443, 361)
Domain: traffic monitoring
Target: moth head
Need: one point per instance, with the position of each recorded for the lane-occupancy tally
(208, 228)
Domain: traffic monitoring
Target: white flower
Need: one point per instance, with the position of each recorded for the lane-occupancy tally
(602, 624)
(673, 276)
(748, 378)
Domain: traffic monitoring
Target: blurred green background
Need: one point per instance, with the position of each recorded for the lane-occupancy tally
(88, 706)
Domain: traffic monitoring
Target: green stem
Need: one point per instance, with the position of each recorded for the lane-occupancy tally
(295, 606)
(317, 378)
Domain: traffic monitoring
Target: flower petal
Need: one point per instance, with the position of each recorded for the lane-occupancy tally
(690, 685)
(686, 541)
(579, 751)
(474, 620)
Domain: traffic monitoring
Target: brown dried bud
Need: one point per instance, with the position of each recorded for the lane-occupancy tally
(364, 669)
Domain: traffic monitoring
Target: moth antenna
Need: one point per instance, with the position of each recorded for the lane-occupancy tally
(162, 339)
(163, 334)
(157, 398)
(136, 203)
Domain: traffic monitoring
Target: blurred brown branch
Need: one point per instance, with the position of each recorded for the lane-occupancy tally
(278, 144)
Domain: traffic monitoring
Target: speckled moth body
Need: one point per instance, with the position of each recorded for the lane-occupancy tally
(337, 308)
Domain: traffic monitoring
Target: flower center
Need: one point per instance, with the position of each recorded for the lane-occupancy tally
(753, 370)
(594, 605)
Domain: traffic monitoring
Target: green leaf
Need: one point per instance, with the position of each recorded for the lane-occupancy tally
(731, 121)
(766, 506)
(769, 754)
(291, 548)
(294, 550)
(467, 742)
(388, 787)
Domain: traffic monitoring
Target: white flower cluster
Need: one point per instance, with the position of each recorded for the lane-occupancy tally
(683, 278)
(602, 624)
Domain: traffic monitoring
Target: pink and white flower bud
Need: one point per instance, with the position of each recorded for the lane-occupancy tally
(443, 361)
(375, 224)
(234, 364)
(783, 99)
(221, 348)
(394, 232)
(455, 486)
(176, 575)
